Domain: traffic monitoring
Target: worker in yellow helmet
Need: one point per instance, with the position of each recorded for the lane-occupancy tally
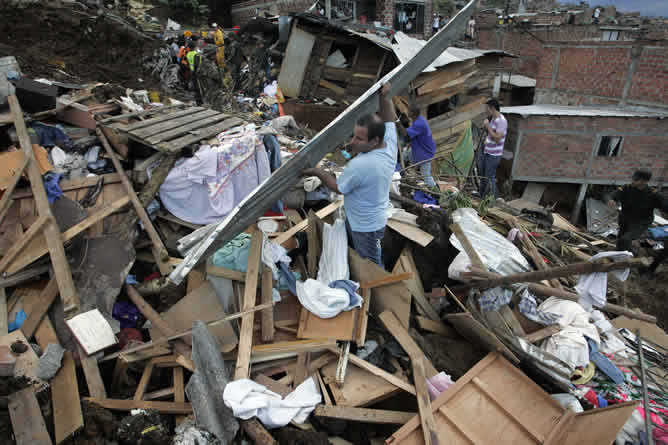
(220, 43)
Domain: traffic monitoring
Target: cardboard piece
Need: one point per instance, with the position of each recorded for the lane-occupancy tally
(12, 161)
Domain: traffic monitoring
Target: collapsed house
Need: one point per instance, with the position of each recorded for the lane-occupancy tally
(180, 295)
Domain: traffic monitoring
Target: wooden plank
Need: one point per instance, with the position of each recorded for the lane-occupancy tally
(332, 87)
(300, 370)
(475, 259)
(361, 388)
(179, 389)
(323, 389)
(363, 319)
(223, 272)
(52, 234)
(6, 201)
(242, 368)
(411, 232)
(436, 327)
(267, 297)
(314, 244)
(158, 247)
(272, 385)
(365, 415)
(424, 404)
(406, 263)
(143, 382)
(295, 62)
(37, 247)
(341, 327)
(160, 393)
(322, 213)
(92, 372)
(37, 310)
(3, 312)
(471, 329)
(140, 114)
(542, 334)
(196, 278)
(27, 420)
(510, 319)
(199, 135)
(186, 129)
(158, 119)
(172, 124)
(390, 279)
(67, 414)
(400, 334)
(20, 244)
(129, 405)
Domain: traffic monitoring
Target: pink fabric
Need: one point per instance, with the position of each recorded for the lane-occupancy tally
(439, 383)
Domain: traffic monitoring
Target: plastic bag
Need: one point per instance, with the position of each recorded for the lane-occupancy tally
(334, 258)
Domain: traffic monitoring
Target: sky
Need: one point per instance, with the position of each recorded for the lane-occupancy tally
(646, 7)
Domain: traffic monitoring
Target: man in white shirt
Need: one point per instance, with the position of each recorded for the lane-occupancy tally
(435, 24)
(497, 127)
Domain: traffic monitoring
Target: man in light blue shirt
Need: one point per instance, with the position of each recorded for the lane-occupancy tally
(365, 182)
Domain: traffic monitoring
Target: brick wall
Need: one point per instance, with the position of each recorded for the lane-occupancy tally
(598, 73)
(561, 148)
(385, 12)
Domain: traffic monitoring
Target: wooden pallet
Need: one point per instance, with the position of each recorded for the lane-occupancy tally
(173, 129)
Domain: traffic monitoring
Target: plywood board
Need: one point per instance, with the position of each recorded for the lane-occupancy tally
(297, 56)
(598, 425)
(361, 388)
(341, 327)
(411, 232)
(201, 304)
(516, 411)
(395, 297)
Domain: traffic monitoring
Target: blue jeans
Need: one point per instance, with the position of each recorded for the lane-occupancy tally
(425, 171)
(367, 244)
(487, 171)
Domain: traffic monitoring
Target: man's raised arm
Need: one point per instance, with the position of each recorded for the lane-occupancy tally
(386, 111)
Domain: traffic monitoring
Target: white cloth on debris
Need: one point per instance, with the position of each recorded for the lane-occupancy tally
(206, 187)
(273, 253)
(249, 399)
(316, 295)
(570, 344)
(592, 288)
(496, 252)
(311, 183)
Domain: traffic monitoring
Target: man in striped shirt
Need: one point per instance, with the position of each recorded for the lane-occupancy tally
(497, 127)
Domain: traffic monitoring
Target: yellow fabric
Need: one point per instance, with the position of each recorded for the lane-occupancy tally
(188, 34)
(220, 57)
(191, 60)
(218, 38)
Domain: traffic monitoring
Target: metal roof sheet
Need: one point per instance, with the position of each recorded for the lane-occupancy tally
(518, 80)
(584, 111)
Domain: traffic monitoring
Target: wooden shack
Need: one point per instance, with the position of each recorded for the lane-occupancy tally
(325, 60)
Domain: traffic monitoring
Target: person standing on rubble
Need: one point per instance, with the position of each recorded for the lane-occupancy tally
(423, 146)
(194, 61)
(235, 59)
(365, 182)
(638, 203)
(496, 126)
(219, 40)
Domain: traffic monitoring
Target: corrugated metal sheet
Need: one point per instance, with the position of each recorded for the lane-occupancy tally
(518, 80)
(584, 111)
(406, 47)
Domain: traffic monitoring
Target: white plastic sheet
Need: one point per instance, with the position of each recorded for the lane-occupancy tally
(496, 252)
(592, 288)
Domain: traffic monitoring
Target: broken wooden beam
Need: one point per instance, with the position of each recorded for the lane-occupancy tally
(542, 334)
(391, 279)
(129, 405)
(27, 420)
(38, 310)
(242, 370)
(158, 247)
(61, 267)
(267, 297)
(402, 336)
(582, 268)
(6, 201)
(365, 415)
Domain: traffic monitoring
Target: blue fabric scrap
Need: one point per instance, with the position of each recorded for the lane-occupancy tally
(604, 364)
(424, 198)
(53, 190)
(20, 318)
(350, 287)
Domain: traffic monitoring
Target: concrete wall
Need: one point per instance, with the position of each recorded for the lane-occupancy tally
(610, 73)
(564, 148)
(244, 11)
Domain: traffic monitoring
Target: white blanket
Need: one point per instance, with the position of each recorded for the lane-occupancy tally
(249, 399)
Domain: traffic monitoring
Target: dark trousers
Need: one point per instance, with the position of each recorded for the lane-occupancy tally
(628, 232)
(487, 166)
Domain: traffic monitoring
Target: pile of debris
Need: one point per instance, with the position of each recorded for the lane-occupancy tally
(172, 256)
